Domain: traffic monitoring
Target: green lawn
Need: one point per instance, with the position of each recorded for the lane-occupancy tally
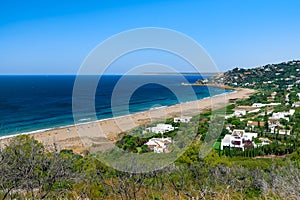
(217, 145)
(139, 149)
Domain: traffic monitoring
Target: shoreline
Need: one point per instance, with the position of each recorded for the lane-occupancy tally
(226, 87)
(100, 120)
(83, 136)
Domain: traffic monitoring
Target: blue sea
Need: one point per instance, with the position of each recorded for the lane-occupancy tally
(31, 103)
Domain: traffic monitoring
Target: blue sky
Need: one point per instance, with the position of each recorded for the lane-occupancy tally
(54, 37)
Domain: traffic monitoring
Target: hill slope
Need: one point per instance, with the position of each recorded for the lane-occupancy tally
(272, 75)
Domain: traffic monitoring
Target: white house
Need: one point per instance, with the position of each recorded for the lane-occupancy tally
(238, 139)
(287, 97)
(284, 132)
(280, 115)
(225, 142)
(160, 128)
(273, 104)
(296, 104)
(155, 130)
(182, 119)
(166, 127)
(283, 115)
(239, 112)
(158, 145)
(258, 105)
(292, 112)
(272, 129)
(273, 123)
(254, 111)
(249, 136)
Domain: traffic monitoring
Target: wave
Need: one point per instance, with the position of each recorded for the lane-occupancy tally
(84, 119)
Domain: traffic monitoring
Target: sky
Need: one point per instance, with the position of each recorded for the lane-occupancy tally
(54, 37)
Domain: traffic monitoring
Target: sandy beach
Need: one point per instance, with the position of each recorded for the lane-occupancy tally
(91, 135)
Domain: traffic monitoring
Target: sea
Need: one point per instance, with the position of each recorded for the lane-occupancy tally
(38, 102)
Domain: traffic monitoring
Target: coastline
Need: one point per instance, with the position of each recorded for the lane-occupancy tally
(226, 87)
(83, 136)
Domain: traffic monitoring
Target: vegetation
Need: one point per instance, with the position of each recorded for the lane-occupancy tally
(269, 77)
(29, 171)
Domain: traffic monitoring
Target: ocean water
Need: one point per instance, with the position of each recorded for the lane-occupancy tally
(31, 103)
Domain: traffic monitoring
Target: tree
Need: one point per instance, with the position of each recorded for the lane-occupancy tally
(26, 166)
(266, 120)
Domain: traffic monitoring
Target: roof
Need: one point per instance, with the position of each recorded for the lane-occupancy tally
(238, 132)
(155, 142)
(158, 141)
(163, 125)
(226, 139)
(265, 139)
(262, 123)
(151, 143)
(250, 135)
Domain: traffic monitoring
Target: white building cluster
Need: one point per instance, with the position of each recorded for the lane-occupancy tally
(283, 115)
(159, 145)
(274, 122)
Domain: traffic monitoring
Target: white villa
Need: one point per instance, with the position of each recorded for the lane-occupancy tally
(160, 128)
(159, 145)
(281, 131)
(274, 123)
(296, 104)
(254, 110)
(238, 139)
(182, 119)
(260, 105)
(283, 115)
(287, 99)
(242, 111)
(237, 113)
(284, 132)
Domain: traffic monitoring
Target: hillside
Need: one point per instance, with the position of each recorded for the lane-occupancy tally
(269, 76)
